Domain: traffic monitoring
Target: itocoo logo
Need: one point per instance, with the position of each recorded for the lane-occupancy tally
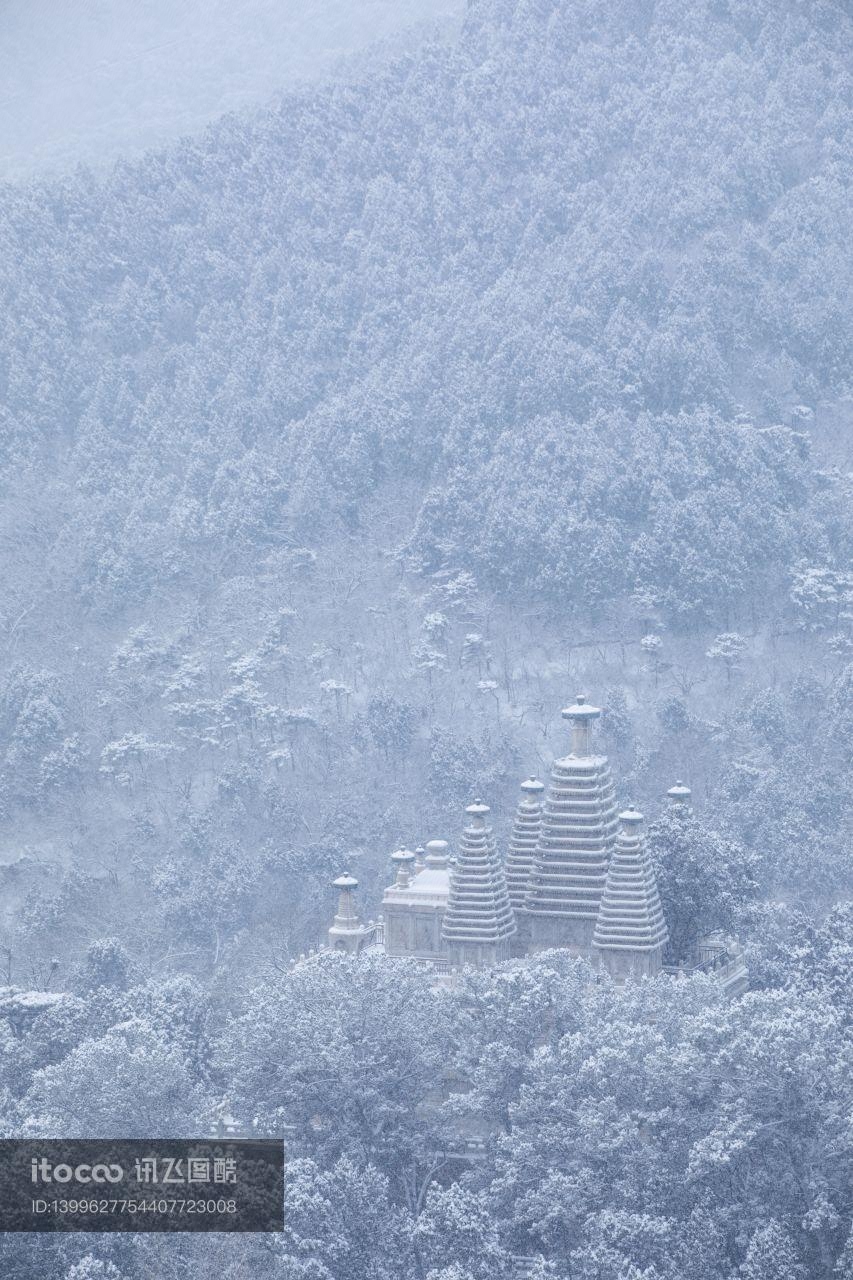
(41, 1170)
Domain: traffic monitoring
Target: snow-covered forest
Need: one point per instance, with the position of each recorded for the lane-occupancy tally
(94, 80)
(341, 443)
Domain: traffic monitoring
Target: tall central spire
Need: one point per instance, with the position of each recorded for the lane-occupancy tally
(576, 838)
(479, 922)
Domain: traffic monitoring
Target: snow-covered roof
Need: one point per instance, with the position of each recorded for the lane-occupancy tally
(429, 887)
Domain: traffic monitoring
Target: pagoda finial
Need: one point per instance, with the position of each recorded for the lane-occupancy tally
(478, 812)
(346, 883)
(680, 795)
(420, 854)
(581, 715)
(436, 853)
(403, 859)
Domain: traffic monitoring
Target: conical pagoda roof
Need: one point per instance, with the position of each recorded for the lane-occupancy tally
(630, 917)
(523, 840)
(479, 908)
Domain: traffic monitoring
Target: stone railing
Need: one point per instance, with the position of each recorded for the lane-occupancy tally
(717, 960)
(374, 934)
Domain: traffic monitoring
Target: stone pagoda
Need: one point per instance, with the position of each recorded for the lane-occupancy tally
(523, 841)
(630, 932)
(478, 923)
(577, 836)
(347, 933)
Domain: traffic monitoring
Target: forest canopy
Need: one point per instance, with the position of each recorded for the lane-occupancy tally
(580, 279)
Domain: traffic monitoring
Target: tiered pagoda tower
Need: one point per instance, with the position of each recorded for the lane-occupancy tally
(525, 836)
(576, 839)
(478, 923)
(630, 932)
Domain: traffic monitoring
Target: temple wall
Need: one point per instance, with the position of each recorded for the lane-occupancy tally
(409, 932)
(626, 964)
(574, 933)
